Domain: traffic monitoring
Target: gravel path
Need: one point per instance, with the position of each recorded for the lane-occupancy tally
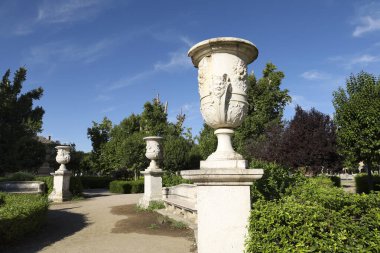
(89, 226)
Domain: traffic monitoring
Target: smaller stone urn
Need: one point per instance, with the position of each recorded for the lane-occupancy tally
(62, 176)
(63, 157)
(152, 175)
(153, 151)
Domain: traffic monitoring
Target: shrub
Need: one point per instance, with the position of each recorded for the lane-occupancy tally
(21, 176)
(119, 186)
(94, 182)
(315, 217)
(275, 181)
(336, 181)
(171, 179)
(361, 182)
(76, 187)
(21, 214)
(48, 180)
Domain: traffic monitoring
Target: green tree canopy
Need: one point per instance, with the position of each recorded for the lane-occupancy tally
(357, 110)
(19, 123)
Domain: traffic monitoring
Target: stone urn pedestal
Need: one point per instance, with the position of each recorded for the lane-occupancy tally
(223, 181)
(62, 176)
(153, 174)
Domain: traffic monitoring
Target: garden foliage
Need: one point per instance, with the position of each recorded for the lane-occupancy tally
(361, 183)
(315, 216)
(119, 186)
(20, 214)
(95, 182)
(170, 179)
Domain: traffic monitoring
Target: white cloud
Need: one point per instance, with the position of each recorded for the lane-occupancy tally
(65, 52)
(362, 60)
(108, 109)
(178, 60)
(68, 10)
(315, 75)
(367, 19)
(187, 41)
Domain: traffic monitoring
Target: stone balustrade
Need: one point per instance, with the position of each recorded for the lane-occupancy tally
(23, 187)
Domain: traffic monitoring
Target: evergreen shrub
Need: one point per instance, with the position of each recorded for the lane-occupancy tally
(361, 182)
(21, 176)
(76, 187)
(126, 187)
(315, 216)
(21, 214)
(95, 182)
(171, 179)
(336, 181)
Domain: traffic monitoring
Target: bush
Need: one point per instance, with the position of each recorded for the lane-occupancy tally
(119, 186)
(170, 179)
(315, 216)
(94, 182)
(48, 180)
(336, 181)
(275, 181)
(76, 187)
(21, 214)
(21, 176)
(361, 182)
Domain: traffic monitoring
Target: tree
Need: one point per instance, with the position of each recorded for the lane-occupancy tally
(99, 134)
(266, 106)
(176, 153)
(357, 110)
(19, 123)
(207, 141)
(309, 141)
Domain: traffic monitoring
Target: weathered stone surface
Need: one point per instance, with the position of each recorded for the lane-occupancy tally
(62, 176)
(23, 187)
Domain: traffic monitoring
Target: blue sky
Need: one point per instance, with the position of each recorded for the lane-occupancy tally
(97, 58)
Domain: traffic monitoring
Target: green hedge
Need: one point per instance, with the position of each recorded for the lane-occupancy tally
(171, 179)
(119, 186)
(95, 182)
(21, 214)
(336, 181)
(361, 182)
(315, 217)
(21, 176)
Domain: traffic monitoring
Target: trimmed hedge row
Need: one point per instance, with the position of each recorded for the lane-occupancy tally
(170, 179)
(315, 216)
(21, 214)
(95, 182)
(361, 182)
(336, 181)
(76, 187)
(120, 186)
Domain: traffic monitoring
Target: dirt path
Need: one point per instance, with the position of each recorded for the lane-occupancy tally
(106, 224)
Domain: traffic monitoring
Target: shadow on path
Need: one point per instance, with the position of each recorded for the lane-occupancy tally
(59, 224)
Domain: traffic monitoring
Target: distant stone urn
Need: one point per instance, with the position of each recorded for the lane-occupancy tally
(63, 157)
(153, 151)
(222, 83)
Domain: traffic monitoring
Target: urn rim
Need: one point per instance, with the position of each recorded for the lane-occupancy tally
(65, 147)
(241, 47)
(153, 138)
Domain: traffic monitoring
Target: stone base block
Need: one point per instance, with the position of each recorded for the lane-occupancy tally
(224, 164)
(152, 187)
(61, 186)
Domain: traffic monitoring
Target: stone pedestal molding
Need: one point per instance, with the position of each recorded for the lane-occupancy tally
(223, 182)
(62, 176)
(152, 175)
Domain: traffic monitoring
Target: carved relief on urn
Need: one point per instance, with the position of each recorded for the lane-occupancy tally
(222, 77)
(153, 151)
(63, 156)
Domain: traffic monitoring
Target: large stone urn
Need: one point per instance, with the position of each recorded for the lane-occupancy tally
(152, 175)
(223, 181)
(62, 176)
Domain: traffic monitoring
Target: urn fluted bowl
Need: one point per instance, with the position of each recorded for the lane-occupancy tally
(222, 79)
(153, 147)
(63, 154)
